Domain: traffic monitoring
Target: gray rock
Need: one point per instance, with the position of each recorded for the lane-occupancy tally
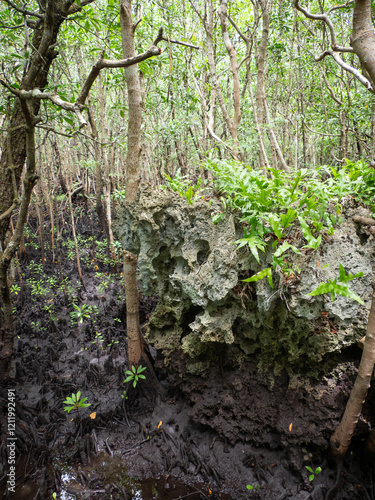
(194, 268)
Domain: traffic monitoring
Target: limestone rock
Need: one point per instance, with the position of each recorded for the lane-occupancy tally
(205, 308)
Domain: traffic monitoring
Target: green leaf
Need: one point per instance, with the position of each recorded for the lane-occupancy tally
(128, 379)
(311, 477)
(333, 288)
(260, 275)
(344, 278)
(276, 225)
(284, 247)
(189, 194)
(318, 470)
(111, 3)
(309, 468)
(288, 218)
(254, 243)
(321, 289)
(312, 242)
(345, 291)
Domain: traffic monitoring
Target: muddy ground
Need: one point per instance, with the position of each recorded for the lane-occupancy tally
(195, 438)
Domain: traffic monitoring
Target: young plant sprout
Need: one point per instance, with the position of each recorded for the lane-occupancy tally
(135, 374)
(75, 402)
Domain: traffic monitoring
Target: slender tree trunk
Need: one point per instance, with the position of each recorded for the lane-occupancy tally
(106, 186)
(135, 344)
(260, 89)
(98, 170)
(235, 122)
(274, 141)
(342, 436)
(76, 248)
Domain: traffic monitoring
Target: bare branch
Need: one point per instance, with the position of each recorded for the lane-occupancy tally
(366, 221)
(73, 8)
(181, 43)
(347, 68)
(244, 38)
(342, 6)
(159, 37)
(24, 11)
(25, 95)
(108, 63)
(330, 90)
(2, 26)
(325, 19)
(8, 212)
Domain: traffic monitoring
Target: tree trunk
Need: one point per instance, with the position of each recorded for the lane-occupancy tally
(260, 89)
(135, 345)
(7, 253)
(235, 122)
(44, 37)
(20, 143)
(342, 436)
(363, 37)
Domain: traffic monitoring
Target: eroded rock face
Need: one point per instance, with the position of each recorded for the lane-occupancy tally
(209, 314)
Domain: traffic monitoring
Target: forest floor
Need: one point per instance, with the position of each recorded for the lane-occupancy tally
(191, 441)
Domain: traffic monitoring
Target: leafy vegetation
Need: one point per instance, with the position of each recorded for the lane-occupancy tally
(75, 402)
(313, 472)
(334, 288)
(271, 206)
(135, 375)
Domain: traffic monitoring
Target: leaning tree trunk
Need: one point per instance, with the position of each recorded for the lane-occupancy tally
(135, 349)
(342, 436)
(17, 146)
(43, 42)
(7, 254)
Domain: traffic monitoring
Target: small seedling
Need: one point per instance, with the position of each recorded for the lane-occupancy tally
(249, 487)
(15, 289)
(75, 402)
(98, 338)
(123, 395)
(135, 374)
(113, 342)
(313, 473)
(80, 313)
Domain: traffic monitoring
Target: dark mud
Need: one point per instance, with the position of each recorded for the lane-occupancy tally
(198, 438)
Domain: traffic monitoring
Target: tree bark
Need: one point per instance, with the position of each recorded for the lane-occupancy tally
(342, 436)
(43, 39)
(363, 37)
(260, 88)
(7, 253)
(235, 122)
(135, 344)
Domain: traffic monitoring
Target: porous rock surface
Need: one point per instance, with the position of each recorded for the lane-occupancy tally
(207, 312)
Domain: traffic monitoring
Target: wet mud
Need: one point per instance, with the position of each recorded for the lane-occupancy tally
(233, 434)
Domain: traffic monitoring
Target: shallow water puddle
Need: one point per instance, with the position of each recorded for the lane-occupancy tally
(107, 475)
